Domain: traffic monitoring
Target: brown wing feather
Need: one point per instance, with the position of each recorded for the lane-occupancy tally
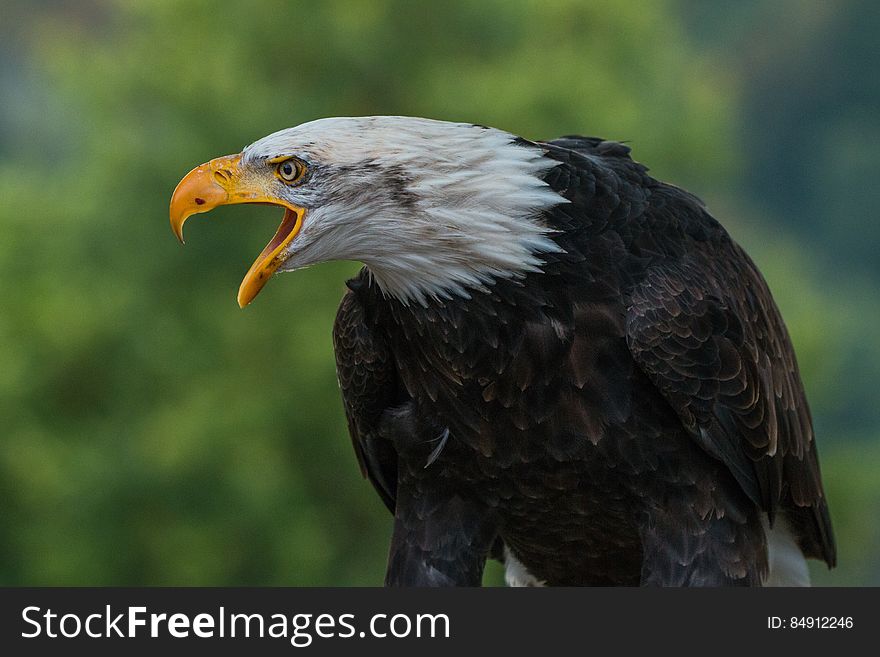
(369, 387)
(710, 337)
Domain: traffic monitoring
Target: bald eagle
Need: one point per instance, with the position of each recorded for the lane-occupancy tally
(549, 357)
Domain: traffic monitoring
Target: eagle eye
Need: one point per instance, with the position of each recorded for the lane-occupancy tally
(290, 170)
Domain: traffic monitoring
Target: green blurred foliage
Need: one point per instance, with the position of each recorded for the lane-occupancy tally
(153, 433)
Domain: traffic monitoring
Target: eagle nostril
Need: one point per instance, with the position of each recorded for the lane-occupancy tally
(222, 176)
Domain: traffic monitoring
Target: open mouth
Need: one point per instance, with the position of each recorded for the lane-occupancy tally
(270, 258)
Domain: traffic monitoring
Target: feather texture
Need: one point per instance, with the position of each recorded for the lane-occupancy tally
(629, 412)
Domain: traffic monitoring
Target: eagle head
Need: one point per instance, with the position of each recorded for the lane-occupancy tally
(434, 209)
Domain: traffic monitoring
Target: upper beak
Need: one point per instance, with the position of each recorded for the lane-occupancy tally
(222, 182)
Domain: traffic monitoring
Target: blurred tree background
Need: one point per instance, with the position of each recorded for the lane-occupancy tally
(153, 433)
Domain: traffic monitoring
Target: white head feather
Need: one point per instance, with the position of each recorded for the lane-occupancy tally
(432, 208)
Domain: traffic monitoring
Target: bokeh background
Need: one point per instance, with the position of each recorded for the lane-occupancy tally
(153, 433)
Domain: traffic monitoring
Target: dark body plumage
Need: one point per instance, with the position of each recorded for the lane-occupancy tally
(625, 417)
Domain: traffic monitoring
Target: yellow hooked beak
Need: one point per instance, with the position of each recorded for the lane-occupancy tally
(222, 182)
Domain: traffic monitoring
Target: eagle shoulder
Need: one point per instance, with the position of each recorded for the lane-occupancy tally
(369, 385)
(703, 326)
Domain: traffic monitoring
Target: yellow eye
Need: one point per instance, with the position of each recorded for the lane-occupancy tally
(290, 170)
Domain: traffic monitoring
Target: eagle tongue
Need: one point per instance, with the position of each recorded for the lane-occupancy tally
(288, 222)
(268, 260)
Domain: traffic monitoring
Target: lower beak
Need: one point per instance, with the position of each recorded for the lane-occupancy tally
(222, 182)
